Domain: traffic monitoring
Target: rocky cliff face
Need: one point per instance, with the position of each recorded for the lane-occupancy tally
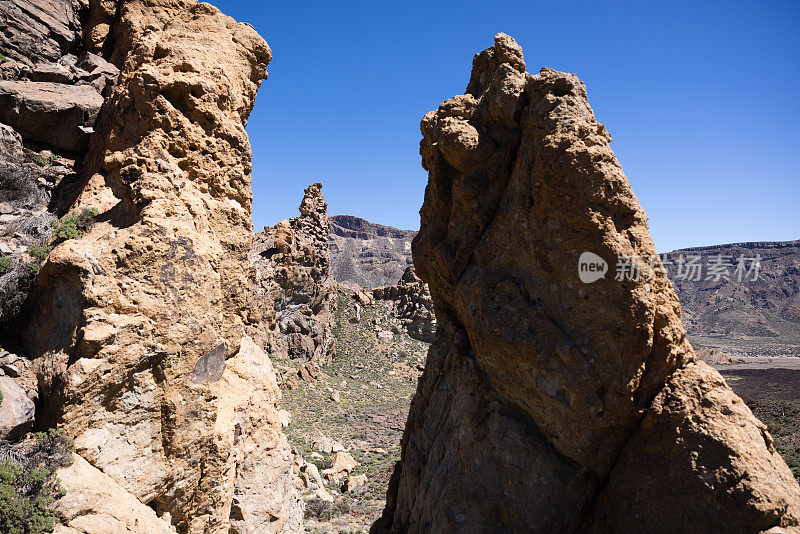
(736, 306)
(138, 326)
(368, 255)
(292, 286)
(51, 90)
(412, 305)
(549, 404)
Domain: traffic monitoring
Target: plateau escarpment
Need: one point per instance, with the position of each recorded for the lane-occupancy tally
(292, 286)
(138, 323)
(367, 255)
(552, 404)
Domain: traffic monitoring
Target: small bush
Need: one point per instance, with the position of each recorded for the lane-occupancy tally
(46, 160)
(319, 509)
(28, 485)
(69, 227)
(5, 263)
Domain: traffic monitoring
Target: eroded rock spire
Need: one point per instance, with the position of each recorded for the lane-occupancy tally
(549, 404)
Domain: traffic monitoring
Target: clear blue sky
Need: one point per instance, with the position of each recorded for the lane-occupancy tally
(702, 102)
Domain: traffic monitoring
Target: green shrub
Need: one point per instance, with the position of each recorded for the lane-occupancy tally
(69, 227)
(5, 263)
(28, 488)
(44, 161)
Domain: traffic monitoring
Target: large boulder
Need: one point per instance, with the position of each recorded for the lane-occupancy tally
(138, 326)
(16, 410)
(293, 291)
(60, 115)
(552, 401)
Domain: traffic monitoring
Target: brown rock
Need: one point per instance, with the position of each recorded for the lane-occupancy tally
(293, 291)
(544, 399)
(354, 482)
(95, 504)
(58, 114)
(16, 410)
(166, 265)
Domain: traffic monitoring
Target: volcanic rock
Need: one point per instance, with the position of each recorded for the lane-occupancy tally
(120, 317)
(16, 410)
(58, 114)
(412, 305)
(39, 30)
(554, 405)
(293, 290)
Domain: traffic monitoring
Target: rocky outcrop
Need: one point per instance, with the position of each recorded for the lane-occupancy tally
(51, 91)
(138, 326)
(368, 255)
(549, 404)
(292, 287)
(16, 410)
(412, 305)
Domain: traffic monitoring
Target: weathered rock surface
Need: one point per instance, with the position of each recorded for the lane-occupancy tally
(57, 114)
(95, 504)
(368, 255)
(16, 410)
(412, 305)
(39, 30)
(121, 317)
(292, 286)
(548, 404)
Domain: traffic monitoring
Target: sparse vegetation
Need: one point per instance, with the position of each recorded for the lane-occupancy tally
(5, 263)
(29, 487)
(45, 160)
(68, 227)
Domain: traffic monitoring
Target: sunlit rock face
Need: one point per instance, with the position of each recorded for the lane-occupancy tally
(139, 326)
(292, 286)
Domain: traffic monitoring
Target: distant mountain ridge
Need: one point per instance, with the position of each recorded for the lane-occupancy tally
(366, 254)
(740, 318)
(744, 317)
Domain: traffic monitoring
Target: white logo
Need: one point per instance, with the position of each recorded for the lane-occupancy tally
(591, 267)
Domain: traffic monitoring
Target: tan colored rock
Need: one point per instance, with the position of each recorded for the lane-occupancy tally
(342, 462)
(291, 285)
(552, 403)
(95, 504)
(354, 482)
(138, 326)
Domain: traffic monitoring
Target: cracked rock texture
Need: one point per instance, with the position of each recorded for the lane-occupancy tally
(292, 286)
(138, 327)
(547, 404)
(412, 305)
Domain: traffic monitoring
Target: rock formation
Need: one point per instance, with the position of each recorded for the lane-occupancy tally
(412, 305)
(548, 404)
(368, 255)
(51, 90)
(292, 286)
(138, 327)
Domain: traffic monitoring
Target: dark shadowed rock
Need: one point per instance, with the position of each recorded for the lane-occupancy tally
(57, 114)
(548, 404)
(39, 30)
